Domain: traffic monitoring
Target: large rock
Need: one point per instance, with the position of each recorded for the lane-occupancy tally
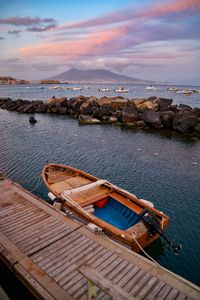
(184, 121)
(75, 103)
(26, 108)
(87, 107)
(57, 102)
(197, 127)
(116, 103)
(164, 103)
(145, 104)
(130, 114)
(84, 119)
(185, 107)
(152, 118)
(32, 120)
(167, 118)
(39, 106)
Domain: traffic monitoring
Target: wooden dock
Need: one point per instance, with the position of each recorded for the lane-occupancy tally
(58, 258)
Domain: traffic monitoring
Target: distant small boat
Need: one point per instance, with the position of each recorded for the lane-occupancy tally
(185, 92)
(152, 88)
(105, 90)
(54, 87)
(121, 90)
(172, 89)
(117, 212)
(78, 88)
(40, 87)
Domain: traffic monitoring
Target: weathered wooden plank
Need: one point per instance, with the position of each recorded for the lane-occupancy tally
(112, 262)
(36, 229)
(54, 229)
(11, 210)
(163, 292)
(134, 280)
(31, 283)
(62, 271)
(123, 273)
(52, 264)
(148, 287)
(19, 222)
(114, 291)
(11, 249)
(57, 248)
(172, 294)
(181, 296)
(156, 289)
(30, 222)
(47, 242)
(126, 279)
(46, 281)
(137, 287)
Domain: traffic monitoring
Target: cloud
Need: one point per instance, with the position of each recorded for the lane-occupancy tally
(14, 31)
(167, 8)
(94, 43)
(16, 64)
(40, 29)
(26, 21)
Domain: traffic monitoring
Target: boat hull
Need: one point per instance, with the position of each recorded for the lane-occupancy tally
(79, 191)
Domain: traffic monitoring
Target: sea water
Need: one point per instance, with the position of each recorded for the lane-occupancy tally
(162, 168)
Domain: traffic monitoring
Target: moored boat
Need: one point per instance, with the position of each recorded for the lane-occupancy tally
(121, 90)
(152, 88)
(104, 90)
(185, 92)
(117, 212)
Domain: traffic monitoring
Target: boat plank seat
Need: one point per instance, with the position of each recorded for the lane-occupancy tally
(129, 204)
(91, 195)
(70, 183)
(57, 176)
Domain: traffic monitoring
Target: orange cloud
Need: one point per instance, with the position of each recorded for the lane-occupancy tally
(74, 48)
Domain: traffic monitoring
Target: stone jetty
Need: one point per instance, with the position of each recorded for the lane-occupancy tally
(145, 113)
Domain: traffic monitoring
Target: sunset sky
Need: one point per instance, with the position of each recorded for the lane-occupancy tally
(155, 40)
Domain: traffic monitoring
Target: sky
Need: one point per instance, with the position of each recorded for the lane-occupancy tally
(146, 39)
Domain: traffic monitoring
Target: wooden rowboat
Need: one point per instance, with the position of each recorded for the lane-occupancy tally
(115, 211)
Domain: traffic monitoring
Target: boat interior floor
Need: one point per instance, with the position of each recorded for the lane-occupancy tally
(116, 214)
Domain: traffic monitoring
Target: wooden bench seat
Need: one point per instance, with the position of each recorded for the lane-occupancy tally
(91, 195)
(70, 183)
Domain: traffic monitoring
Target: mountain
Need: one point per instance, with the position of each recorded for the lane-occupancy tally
(94, 76)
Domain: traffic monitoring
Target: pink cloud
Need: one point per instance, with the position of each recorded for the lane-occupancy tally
(164, 8)
(176, 7)
(93, 43)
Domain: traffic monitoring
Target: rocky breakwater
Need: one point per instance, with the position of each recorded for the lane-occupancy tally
(154, 112)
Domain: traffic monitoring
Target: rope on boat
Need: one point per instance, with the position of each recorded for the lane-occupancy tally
(151, 258)
(73, 203)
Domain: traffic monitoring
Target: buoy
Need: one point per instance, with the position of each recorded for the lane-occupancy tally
(57, 203)
(51, 196)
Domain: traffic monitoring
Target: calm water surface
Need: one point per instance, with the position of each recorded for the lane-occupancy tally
(162, 168)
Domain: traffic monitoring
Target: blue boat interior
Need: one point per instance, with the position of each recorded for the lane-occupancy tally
(117, 214)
